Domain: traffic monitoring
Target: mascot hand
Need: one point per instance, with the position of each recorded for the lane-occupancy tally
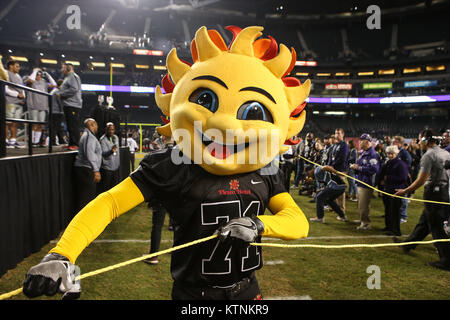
(245, 229)
(55, 273)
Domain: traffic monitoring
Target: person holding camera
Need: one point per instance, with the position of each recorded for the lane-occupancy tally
(434, 176)
(111, 159)
(38, 103)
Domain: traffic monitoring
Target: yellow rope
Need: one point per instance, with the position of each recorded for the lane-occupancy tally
(122, 264)
(381, 191)
(345, 246)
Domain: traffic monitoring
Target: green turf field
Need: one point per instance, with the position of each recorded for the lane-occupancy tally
(317, 273)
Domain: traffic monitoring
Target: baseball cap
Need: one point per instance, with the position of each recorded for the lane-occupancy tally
(365, 136)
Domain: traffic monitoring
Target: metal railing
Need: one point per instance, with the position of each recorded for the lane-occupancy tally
(3, 118)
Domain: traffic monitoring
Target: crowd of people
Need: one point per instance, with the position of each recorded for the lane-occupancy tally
(66, 105)
(390, 165)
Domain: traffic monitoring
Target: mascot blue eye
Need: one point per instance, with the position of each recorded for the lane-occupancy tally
(254, 110)
(206, 98)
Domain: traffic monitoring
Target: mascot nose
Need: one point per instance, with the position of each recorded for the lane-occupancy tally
(223, 122)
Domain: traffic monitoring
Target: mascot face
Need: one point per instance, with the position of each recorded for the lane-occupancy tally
(232, 110)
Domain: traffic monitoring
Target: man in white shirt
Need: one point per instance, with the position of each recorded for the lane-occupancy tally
(132, 145)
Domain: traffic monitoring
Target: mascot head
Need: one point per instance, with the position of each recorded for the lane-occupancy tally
(233, 109)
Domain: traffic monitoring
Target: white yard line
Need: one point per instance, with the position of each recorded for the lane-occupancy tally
(273, 263)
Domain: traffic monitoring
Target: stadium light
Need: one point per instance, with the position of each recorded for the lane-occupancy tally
(412, 70)
(323, 74)
(365, 73)
(342, 74)
(160, 67)
(302, 74)
(387, 71)
(335, 113)
(98, 64)
(49, 61)
(73, 62)
(306, 63)
(117, 65)
(435, 68)
(142, 66)
(18, 58)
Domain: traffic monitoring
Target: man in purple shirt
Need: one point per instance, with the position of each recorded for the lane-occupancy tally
(366, 168)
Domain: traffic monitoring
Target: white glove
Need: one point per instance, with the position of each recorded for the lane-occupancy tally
(55, 273)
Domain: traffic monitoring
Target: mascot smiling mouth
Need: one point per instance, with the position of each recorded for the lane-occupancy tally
(221, 150)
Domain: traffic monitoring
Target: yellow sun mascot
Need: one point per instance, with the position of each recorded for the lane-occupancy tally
(231, 112)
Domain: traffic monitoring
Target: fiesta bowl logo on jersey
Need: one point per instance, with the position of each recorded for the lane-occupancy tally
(234, 189)
(234, 184)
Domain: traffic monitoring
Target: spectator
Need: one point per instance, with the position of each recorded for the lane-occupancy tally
(338, 159)
(37, 103)
(366, 168)
(416, 154)
(15, 100)
(316, 158)
(70, 95)
(393, 175)
(334, 186)
(328, 143)
(352, 158)
(87, 164)
(308, 150)
(445, 143)
(435, 178)
(287, 165)
(300, 166)
(57, 116)
(380, 150)
(406, 157)
(111, 159)
(132, 145)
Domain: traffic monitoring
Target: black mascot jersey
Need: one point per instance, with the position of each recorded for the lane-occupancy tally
(198, 203)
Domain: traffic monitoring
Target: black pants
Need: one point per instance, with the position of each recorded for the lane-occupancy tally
(392, 214)
(432, 220)
(287, 168)
(327, 197)
(159, 214)
(132, 159)
(109, 180)
(248, 289)
(57, 119)
(84, 186)
(73, 124)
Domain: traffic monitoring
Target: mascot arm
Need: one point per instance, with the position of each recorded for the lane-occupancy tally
(288, 221)
(95, 216)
